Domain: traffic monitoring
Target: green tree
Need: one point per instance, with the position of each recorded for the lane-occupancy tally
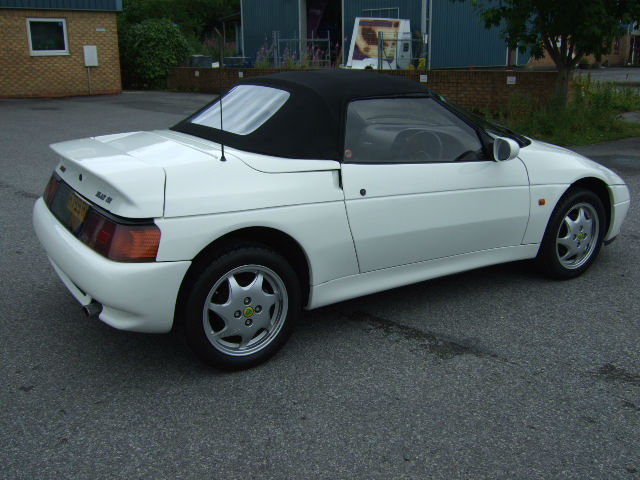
(195, 18)
(149, 50)
(566, 29)
(147, 60)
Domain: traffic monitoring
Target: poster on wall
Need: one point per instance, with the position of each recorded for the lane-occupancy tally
(364, 51)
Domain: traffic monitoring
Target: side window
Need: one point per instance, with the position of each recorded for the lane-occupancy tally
(407, 130)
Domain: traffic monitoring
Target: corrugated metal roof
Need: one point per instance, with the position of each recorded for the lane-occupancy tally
(97, 5)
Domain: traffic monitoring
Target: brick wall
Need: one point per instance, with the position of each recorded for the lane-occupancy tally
(23, 75)
(481, 89)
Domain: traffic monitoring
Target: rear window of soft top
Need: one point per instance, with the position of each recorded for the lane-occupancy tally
(244, 109)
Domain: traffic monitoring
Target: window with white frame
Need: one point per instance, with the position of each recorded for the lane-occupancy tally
(47, 36)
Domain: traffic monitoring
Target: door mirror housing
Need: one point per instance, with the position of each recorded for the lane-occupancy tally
(505, 149)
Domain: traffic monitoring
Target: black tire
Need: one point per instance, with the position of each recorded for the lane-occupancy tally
(574, 235)
(242, 308)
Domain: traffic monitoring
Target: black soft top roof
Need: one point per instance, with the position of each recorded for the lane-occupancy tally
(311, 122)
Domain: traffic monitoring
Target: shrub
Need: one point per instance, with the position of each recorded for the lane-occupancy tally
(592, 116)
(148, 52)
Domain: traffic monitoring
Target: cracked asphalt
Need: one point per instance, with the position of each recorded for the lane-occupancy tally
(497, 373)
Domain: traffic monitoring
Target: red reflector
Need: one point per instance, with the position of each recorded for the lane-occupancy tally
(51, 189)
(103, 237)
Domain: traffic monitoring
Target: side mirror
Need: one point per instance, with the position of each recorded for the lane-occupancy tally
(505, 149)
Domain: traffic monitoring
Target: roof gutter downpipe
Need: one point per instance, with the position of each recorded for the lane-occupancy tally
(221, 79)
(242, 28)
(430, 37)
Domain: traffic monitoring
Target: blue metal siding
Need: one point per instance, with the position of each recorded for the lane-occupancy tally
(459, 38)
(410, 9)
(98, 5)
(261, 17)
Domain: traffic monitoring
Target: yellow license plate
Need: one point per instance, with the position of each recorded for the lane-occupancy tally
(78, 209)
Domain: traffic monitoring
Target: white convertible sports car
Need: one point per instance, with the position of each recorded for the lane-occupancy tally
(304, 189)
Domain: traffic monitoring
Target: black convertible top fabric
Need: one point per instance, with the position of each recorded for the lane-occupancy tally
(311, 123)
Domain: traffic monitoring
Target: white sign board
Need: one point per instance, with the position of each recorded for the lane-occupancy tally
(394, 34)
(90, 56)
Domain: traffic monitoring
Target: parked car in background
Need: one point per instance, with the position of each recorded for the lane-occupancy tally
(331, 184)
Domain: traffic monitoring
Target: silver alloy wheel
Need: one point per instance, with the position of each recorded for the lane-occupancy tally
(577, 236)
(245, 310)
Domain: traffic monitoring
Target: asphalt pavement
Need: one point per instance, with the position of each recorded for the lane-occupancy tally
(497, 373)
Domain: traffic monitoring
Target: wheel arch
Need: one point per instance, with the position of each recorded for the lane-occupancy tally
(275, 239)
(600, 188)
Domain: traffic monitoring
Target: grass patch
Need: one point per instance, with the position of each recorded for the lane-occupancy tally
(592, 116)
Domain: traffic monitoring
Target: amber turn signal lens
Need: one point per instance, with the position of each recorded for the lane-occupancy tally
(135, 243)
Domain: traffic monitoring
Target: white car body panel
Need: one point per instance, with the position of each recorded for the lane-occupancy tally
(619, 210)
(135, 296)
(321, 229)
(262, 163)
(384, 279)
(165, 148)
(540, 214)
(198, 183)
(158, 149)
(552, 170)
(423, 211)
(549, 164)
(131, 187)
(208, 186)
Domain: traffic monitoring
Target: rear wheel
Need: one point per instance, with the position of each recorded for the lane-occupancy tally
(242, 308)
(574, 235)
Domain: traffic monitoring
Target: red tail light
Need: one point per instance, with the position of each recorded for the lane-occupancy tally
(120, 242)
(51, 189)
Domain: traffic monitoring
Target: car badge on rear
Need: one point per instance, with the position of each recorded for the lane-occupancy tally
(105, 198)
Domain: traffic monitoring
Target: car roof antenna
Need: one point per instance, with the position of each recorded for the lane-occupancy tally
(221, 43)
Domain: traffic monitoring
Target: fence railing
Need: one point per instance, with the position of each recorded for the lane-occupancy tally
(314, 51)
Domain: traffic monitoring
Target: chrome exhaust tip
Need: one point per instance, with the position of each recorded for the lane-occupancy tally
(92, 310)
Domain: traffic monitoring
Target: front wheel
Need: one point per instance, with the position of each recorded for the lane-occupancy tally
(242, 308)
(574, 235)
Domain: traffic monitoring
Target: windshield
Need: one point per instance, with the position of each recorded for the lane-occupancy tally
(244, 109)
(487, 125)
